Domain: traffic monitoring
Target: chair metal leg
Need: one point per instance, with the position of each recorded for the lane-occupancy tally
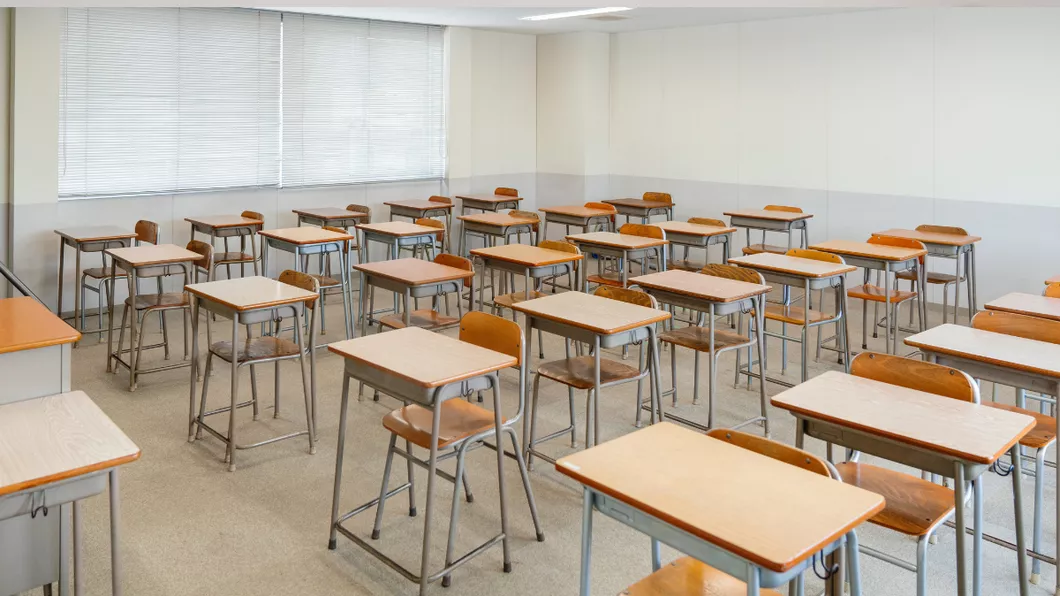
(498, 424)
(377, 528)
(1039, 497)
(533, 421)
(412, 481)
(525, 475)
(921, 566)
(454, 514)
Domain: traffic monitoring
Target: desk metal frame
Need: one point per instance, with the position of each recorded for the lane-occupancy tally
(412, 213)
(573, 220)
(644, 214)
(624, 256)
(323, 249)
(79, 248)
(492, 232)
(704, 242)
(887, 267)
(227, 232)
(394, 243)
(772, 225)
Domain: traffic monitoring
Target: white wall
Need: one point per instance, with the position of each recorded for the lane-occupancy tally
(868, 120)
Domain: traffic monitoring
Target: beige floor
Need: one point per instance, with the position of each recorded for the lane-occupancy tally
(191, 527)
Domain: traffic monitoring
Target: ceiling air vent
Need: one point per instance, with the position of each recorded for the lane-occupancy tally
(607, 18)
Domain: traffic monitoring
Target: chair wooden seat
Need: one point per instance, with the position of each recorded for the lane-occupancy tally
(423, 318)
(259, 348)
(460, 419)
(325, 281)
(913, 506)
(698, 338)
(507, 300)
(690, 577)
(755, 249)
(606, 279)
(1044, 431)
(877, 294)
(164, 300)
(686, 265)
(793, 314)
(933, 277)
(233, 257)
(103, 272)
(577, 372)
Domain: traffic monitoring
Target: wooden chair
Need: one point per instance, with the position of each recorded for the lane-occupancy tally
(686, 264)
(753, 249)
(611, 225)
(935, 277)
(1043, 435)
(262, 350)
(577, 372)
(242, 257)
(1052, 291)
(570, 270)
(604, 277)
(440, 199)
(506, 191)
(880, 295)
(432, 319)
(160, 303)
(439, 238)
(534, 227)
(661, 197)
(915, 506)
(805, 317)
(146, 232)
(462, 426)
(690, 577)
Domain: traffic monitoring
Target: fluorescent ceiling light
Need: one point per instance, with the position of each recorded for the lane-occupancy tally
(575, 13)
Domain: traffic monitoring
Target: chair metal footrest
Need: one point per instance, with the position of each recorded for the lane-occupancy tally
(249, 402)
(144, 371)
(222, 437)
(754, 375)
(1006, 544)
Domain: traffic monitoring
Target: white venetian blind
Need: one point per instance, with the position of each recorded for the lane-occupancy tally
(157, 100)
(362, 101)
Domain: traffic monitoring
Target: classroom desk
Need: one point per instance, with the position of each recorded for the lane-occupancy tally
(532, 262)
(151, 259)
(1033, 305)
(34, 363)
(311, 241)
(768, 220)
(417, 209)
(808, 274)
(996, 357)
(690, 235)
(58, 450)
(410, 278)
(641, 209)
(227, 226)
(714, 296)
(948, 246)
(888, 259)
(494, 226)
(246, 301)
(424, 368)
(602, 323)
(620, 246)
(86, 239)
(938, 434)
(395, 234)
(487, 202)
(575, 215)
(719, 504)
(329, 216)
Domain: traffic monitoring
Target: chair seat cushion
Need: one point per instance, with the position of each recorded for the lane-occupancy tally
(606, 279)
(260, 348)
(690, 577)
(933, 277)
(754, 249)
(1044, 431)
(460, 419)
(793, 314)
(423, 318)
(164, 300)
(507, 300)
(224, 258)
(103, 272)
(698, 338)
(877, 294)
(913, 505)
(577, 372)
(325, 281)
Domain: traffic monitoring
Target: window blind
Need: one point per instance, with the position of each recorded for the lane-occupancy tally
(362, 101)
(158, 100)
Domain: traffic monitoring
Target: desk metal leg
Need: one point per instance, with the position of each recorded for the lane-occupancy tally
(753, 580)
(959, 496)
(110, 323)
(972, 278)
(339, 452)
(760, 338)
(432, 473)
(194, 306)
(62, 270)
(853, 564)
(587, 542)
(79, 545)
(134, 354)
(654, 375)
(115, 536)
(977, 536)
(79, 324)
(1017, 501)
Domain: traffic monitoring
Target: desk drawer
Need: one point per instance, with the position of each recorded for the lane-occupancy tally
(54, 495)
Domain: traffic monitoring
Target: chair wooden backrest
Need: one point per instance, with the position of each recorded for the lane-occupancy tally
(302, 280)
(817, 255)
(772, 449)
(524, 214)
(787, 208)
(661, 197)
(625, 295)
(493, 333)
(146, 231)
(602, 207)
(458, 262)
(733, 272)
(1023, 326)
(707, 221)
(440, 199)
(559, 245)
(505, 191)
(252, 215)
(433, 223)
(894, 241)
(360, 209)
(931, 228)
(1052, 291)
(646, 230)
(204, 249)
(915, 374)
